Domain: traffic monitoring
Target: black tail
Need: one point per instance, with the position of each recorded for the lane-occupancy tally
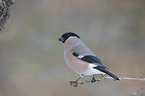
(100, 68)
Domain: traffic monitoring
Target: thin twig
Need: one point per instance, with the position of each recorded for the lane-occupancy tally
(125, 78)
(130, 79)
(138, 91)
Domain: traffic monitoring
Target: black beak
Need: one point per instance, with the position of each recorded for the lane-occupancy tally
(61, 39)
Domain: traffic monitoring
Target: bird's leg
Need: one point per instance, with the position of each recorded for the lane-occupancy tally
(75, 83)
(93, 79)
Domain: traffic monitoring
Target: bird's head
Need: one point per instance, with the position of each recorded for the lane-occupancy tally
(67, 36)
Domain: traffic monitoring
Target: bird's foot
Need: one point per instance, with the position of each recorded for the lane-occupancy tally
(93, 80)
(75, 83)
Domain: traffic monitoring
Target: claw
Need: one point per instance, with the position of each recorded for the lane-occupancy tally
(74, 83)
(93, 80)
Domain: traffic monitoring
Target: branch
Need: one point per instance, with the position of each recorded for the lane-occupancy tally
(138, 91)
(130, 79)
(107, 77)
(125, 78)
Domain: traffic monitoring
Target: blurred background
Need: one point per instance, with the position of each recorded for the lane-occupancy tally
(31, 57)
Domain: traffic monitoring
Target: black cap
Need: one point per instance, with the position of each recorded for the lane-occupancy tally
(66, 35)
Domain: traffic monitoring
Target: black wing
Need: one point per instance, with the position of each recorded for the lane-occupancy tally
(95, 59)
(89, 59)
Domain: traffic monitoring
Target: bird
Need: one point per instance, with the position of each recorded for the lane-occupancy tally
(81, 59)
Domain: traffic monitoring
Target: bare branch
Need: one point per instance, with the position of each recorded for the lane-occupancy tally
(125, 78)
(138, 91)
(107, 77)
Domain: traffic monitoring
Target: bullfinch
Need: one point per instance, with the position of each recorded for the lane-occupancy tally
(81, 59)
